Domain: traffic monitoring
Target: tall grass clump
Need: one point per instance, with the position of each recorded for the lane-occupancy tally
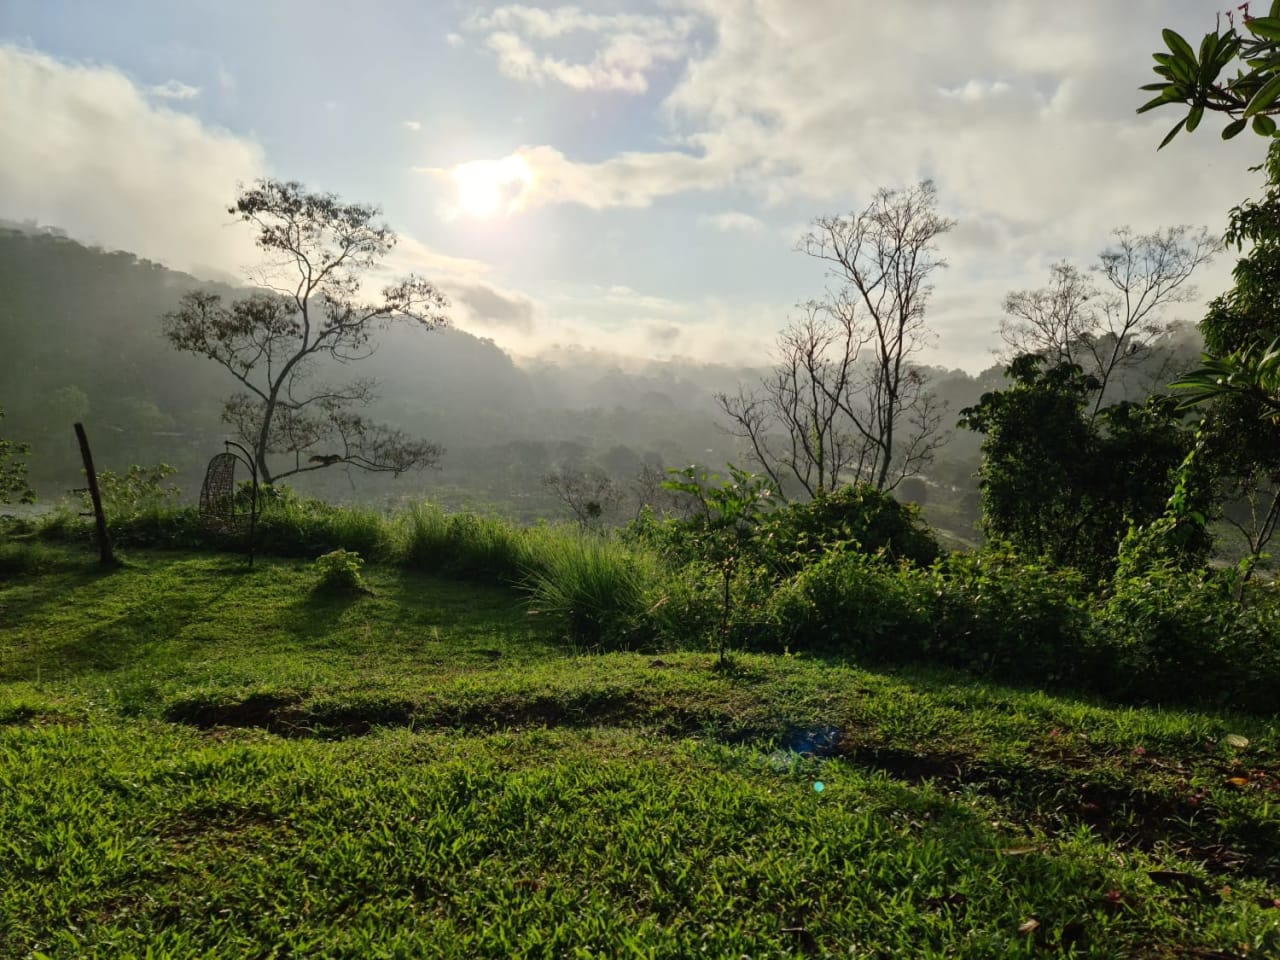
(464, 545)
(309, 528)
(599, 588)
(25, 557)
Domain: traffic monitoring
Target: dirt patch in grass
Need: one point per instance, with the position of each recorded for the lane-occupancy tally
(267, 711)
(294, 716)
(1055, 799)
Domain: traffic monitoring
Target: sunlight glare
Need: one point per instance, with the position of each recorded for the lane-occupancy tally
(489, 187)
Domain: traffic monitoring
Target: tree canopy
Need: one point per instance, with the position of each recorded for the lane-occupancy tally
(308, 307)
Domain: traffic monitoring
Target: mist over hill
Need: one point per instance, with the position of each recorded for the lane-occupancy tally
(81, 333)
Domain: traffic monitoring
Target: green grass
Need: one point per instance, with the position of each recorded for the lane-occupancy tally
(201, 760)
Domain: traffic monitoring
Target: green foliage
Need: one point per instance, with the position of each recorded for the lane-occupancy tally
(338, 571)
(291, 526)
(722, 533)
(856, 517)
(13, 472)
(1194, 78)
(25, 558)
(1060, 485)
(598, 588)
(466, 545)
(999, 615)
(856, 604)
(1181, 635)
(139, 491)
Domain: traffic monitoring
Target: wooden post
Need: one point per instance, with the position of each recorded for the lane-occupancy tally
(105, 556)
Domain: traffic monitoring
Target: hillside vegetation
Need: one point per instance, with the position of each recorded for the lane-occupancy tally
(200, 759)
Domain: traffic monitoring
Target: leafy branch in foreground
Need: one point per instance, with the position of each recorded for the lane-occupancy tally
(1194, 78)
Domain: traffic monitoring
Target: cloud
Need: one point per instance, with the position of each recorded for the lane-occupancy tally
(414, 125)
(477, 302)
(633, 179)
(1031, 117)
(174, 90)
(83, 148)
(487, 306)
(615, 51)
(734, 220)
(1023, 116)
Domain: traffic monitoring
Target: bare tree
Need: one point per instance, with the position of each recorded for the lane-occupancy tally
(794, 424)
(588, 492)
(1108, 320)
(308, 308)
(845, 399)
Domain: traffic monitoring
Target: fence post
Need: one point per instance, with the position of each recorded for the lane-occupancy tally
(105, 556)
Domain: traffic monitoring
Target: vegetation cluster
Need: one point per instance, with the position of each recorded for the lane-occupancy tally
(852, 573)
(1097, 581)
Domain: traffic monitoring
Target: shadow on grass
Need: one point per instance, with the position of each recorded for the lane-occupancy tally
(28, 594)
(93, 619)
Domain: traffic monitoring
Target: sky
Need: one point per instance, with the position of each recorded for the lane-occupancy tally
(618, 176)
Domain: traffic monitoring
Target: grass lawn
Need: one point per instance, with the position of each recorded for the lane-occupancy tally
(199, 760)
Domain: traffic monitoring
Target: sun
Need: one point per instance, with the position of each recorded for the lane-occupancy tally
(489, 187)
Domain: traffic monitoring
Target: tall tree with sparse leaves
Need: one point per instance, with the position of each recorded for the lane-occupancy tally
(847, 401)
(1108, 320)
(308, 307)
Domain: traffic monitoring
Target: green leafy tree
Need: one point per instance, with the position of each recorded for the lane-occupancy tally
(308, 308)
(1239, 377)
(13, 472)
(1059, 483)
(729, 516)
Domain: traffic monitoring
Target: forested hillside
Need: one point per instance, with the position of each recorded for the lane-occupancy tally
(82, 341)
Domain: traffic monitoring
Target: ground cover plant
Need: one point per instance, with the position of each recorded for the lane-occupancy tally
(197, 758)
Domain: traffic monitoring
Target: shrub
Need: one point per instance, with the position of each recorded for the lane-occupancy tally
(141, 490)
(854, 603)
(339, 572)
(1182, 635)
(999, 615)
(855, 518)
(684, 609)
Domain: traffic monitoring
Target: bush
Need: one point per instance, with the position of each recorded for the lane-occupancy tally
(142, 490)
(1181, 635)
(854, 603)
(854, 518)
(339, 572)
(685, 608)
(999, 615)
